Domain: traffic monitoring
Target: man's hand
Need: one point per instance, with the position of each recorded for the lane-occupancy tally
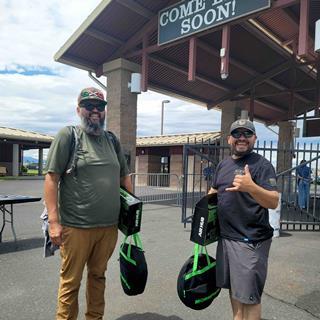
(242, 183)
(55, 233)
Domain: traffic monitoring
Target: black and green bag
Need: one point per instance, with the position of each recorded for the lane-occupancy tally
(205, 224)
(130, 213)
(133, 266)
(196, 283)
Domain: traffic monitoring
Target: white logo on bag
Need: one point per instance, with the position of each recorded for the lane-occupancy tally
(137, 219)
(201, 227)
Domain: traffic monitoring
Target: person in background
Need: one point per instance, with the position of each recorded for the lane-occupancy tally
(304, 180)
(208, 172)
(246, 187)
(83, 205)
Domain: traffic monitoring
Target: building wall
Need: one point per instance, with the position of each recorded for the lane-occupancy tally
(176, 162)
(6, 151)
(149, 161)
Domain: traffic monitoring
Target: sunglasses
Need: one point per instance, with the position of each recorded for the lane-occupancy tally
(238, 134)
(90, 105)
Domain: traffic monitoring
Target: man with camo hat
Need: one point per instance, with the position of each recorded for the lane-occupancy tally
(246, 187)
(83, 204)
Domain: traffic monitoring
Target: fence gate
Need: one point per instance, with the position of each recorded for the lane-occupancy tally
(199, 162)
(201, 159)
(157, 187)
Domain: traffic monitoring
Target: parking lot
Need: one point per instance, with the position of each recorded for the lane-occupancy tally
(29, 282)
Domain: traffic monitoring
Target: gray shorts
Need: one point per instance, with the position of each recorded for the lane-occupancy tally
(242, 268)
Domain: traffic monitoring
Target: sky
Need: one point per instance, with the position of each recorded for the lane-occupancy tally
(39, 94)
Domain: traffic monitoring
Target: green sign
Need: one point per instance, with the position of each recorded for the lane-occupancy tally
(192, 16)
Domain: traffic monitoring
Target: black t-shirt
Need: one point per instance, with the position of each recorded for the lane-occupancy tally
(240, 216)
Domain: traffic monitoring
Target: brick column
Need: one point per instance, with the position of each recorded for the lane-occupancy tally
(175, 169)
(40, 161)
(285, 146)
(15, 160)
(122, 105)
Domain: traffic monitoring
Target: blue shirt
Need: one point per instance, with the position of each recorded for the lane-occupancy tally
(304, 172)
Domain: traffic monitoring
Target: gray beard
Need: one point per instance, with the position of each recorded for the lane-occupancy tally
(92, 128)
(240, 154)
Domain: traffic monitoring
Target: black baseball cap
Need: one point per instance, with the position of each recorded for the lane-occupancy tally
(243, 123)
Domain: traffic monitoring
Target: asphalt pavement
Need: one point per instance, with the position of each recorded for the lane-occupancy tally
(29, 282)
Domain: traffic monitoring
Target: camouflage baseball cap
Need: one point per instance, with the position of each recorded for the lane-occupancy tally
(91, 94)
(243, 123)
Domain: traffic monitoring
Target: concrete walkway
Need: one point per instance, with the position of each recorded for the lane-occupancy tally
(29, 282)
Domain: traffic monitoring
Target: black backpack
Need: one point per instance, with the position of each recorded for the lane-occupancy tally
(196, 283)
(133, 266)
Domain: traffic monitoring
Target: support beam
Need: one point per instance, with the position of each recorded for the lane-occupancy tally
(318, 90)
(192, 59)
(160, 88)
(148, 28)
(79, 63)
(104, 37)
(303, 47)
(211, 50)
(273, 93)
(271, 73)
(283, 4)
(145, 65)
(40, 161)
(225, 52)
(292, 99)
(270, 106)
(252, 97)
(135, 39)
(184, 71)
(137, 8)
(265, 39)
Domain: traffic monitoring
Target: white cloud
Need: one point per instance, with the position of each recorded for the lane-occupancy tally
(31, 33)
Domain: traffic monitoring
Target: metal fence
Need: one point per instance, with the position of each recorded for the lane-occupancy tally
(156, 187)
(200, 161)
(293, 215)
(199, 156)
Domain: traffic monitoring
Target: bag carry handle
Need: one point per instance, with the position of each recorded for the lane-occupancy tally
(138, 243)
(198, 249)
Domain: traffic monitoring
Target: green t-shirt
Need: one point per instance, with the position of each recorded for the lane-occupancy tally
(90, 196)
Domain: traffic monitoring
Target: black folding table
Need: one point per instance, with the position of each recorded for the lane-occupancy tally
(6, 207)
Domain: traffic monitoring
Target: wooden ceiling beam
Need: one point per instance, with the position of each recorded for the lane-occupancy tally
(95, 33)
(137, 8)
(177, 93)
(271, 107)
(212, 50)
(184, 70)
(149, 27)
(252, 83)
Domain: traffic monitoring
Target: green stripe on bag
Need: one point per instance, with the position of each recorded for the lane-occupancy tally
(208, 297)
(124, 281)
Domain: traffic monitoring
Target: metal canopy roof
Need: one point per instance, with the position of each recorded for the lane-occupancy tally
(27, 138)
(177, 139)
(263, 54)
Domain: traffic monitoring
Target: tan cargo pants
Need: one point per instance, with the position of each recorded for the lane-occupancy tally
(92, 247)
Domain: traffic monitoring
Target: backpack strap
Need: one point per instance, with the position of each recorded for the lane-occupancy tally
(116, 144)
(75, 145)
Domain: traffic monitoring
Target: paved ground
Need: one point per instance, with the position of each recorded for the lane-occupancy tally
(29, 282)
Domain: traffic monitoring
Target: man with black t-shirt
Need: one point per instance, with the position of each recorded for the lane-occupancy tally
(246, 187)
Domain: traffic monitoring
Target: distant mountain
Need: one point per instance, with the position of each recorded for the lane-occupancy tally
(30, 160)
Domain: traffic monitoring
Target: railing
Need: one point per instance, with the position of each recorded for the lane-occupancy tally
(293, 216)
(198, 156)
(156, 187)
